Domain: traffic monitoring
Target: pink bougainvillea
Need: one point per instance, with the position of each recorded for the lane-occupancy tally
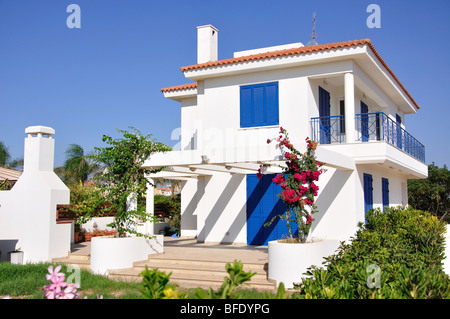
(297, 183)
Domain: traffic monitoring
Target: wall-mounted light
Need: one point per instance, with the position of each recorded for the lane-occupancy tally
(205, 159)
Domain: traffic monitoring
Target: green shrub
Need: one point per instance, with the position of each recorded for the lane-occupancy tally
(396, 254)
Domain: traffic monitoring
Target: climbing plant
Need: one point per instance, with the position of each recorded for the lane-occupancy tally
(123, 177)
(298, 185)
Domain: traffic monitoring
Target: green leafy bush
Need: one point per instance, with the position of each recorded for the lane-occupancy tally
(236, 278)
(396, 254)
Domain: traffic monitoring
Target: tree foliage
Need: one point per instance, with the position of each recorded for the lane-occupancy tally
(5, 159)
(4, 154)
(433, 193)
(77, 167)
(123, 176)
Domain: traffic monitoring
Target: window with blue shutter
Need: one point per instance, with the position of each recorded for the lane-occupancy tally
(259, 105)
(385, 192)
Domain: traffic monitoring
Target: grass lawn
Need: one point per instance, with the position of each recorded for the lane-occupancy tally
(27, 282)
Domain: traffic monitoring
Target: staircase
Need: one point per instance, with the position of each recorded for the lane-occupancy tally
(194, 273)
(201, 267)
(81, 260)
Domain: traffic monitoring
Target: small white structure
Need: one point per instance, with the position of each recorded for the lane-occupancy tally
(117, 253)
(28, 210)
(342, 95)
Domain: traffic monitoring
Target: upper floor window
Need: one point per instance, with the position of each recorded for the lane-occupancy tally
(259, 104)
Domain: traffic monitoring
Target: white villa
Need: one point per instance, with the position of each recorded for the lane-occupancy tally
(342, 95)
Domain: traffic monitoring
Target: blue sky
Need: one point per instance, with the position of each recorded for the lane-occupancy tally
(108, 74)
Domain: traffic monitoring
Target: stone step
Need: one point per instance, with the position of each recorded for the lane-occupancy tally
(84, 263)
(196, 273)
(156, 262)
(202, 273)
(188, 279)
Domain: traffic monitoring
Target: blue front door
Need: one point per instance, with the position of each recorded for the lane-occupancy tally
(262, 205)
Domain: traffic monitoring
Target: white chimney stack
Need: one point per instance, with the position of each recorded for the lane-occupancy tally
(39, 149)
(207, 43)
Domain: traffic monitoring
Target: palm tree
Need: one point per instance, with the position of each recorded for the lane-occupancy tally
(172, 183)
(5, 159)
(77, 167)
(4, 155)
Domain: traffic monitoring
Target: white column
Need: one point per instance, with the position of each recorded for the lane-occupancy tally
(349, 84)
(150, 206)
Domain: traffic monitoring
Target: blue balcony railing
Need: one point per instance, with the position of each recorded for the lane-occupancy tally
(328, 129)
(369, 127)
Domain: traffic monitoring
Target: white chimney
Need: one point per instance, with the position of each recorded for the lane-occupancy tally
(39, 149)
(207, 43)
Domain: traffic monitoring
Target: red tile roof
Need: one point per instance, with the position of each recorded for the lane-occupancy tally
(180, 87)
(287, 52)
(275, 54)
(9, 174)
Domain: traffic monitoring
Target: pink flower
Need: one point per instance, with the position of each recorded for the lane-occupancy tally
(54, 275)
(279, 179)
(302, 190)
(289, 195)
(314, 188)
(58, 288)
(316, 175)
(259, 175)
(268, 141)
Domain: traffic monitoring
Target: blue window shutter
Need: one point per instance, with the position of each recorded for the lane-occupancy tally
(272, 104)
(259, 104)
(364, 122)
(324, 102)
(368, 192)
(385, 192)
(398, 119)
(324, 113)
(246, 106)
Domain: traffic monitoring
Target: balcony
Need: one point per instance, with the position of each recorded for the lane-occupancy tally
(369, 127)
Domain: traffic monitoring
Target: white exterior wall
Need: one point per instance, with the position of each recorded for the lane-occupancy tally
(337, 209)
(189, 124)
(189, 201)
(221, 210)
